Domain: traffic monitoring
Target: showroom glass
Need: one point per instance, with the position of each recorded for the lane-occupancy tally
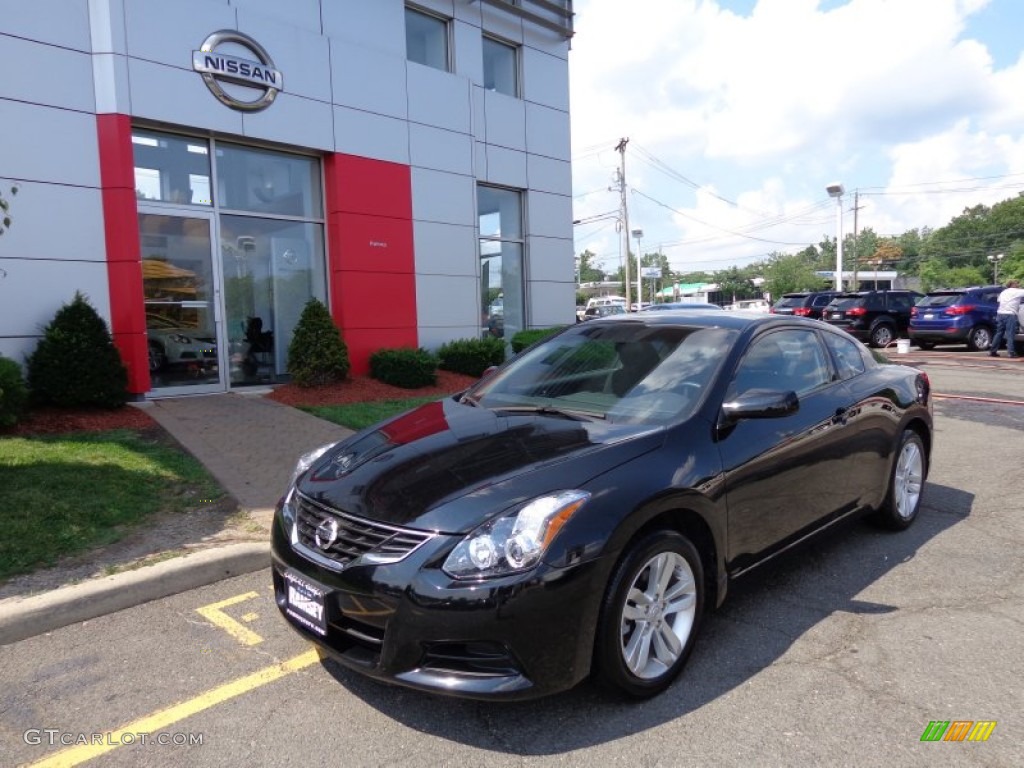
(500, 213)
(271, 268)
(171, 169)
(178, 292)
(501, 67)
(426, 39)
(627, 373)
(261, 181)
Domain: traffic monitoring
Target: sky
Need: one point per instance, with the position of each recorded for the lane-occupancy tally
(739, 114)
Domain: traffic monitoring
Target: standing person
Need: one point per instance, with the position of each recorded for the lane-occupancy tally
(1006, 318)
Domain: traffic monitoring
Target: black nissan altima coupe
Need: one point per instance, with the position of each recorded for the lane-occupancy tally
(579, 509)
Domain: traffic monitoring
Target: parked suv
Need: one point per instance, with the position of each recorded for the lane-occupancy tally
(804, 303)
(875, 317)
(956, 316)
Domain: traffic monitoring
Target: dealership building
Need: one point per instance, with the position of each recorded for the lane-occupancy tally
(200, 169)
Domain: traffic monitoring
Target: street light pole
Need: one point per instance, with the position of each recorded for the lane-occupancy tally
(836, 190)
(638, 233)
(995, 259)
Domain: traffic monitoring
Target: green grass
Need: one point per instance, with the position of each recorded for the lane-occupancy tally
(64, 494)
(360, 415)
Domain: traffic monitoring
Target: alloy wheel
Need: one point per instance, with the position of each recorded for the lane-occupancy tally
(908, 479)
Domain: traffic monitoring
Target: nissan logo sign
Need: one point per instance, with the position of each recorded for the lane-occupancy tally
(219, 69)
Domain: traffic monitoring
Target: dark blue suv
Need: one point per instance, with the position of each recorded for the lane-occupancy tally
(956, 316)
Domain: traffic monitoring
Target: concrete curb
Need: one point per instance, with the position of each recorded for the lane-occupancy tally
(35, 615)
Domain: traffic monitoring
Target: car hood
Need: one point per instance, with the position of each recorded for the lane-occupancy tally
(449, 467)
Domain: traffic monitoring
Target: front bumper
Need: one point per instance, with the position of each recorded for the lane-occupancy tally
(409, 623)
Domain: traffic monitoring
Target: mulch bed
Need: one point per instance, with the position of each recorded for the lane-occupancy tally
(356, 390)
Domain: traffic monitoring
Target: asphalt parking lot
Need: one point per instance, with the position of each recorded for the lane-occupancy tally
(842, 654)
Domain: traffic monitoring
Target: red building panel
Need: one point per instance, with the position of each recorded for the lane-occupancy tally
(364, 243)
(361, 185)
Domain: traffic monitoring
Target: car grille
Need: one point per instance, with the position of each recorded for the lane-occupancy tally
(356, 536)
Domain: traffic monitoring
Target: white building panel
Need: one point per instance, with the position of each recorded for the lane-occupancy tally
(432, 338)
(549, 215)
(179, 97)
(506, 167)
(370, 135)
(64, 22)
(549, 175)
(379, 24)
(37, 208)
(445, 249)
(548, 41)
(48, 144)
(469, 12)
(446, 198)
(469, 51)
(444, 301)
(547, 132)
(44, 74)
(504, 120)
(368, 79)
(550, 259)
(480, 159)
(106, 22)
(304, 14)
(545, 79)
(444, 8)
(169, 32)
(110, 84)
(302, 56)
(438, 98)
(440, 150)
(293, 120)
(501, 24)
(552, 304)
(26, 310)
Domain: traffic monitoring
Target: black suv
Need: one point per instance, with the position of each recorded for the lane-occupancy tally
(804, 303)
(876, 317)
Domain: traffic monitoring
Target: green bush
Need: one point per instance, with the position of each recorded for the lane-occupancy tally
(525, 338)
(76, 363)
(13, 392)
(316, 354)
(471, 356)
(407, 368)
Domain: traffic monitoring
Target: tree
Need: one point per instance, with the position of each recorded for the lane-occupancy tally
(588, 273)
(785, 273)
(5, 210)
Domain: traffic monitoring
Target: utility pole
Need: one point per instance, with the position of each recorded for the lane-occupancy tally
(621, 149)
(856, 253)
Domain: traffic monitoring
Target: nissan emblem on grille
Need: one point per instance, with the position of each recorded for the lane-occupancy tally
(326, 533)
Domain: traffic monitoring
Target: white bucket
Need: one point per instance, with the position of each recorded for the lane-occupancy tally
(902, 346)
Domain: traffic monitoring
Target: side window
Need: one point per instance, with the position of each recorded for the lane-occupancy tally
(784, 360)
(847, 354)
(426, 39)
(900, 301)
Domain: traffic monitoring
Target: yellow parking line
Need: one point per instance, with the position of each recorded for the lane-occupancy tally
(159, 721)
(215, 615)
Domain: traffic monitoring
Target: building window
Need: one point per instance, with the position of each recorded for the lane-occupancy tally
(171, 169)
(502, 296)
(501, 67)
(426, 39)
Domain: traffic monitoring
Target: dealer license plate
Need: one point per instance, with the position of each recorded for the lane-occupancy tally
(837, 315)
(929, 315)
(305, 603)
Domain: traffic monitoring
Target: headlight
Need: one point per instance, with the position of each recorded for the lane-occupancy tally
(515, 541)
(306, 461)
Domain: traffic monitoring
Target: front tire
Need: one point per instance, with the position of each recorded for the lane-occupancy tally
(650, 615)
(906, 482)
(979, 339)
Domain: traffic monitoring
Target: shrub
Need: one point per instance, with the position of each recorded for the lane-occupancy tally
(13, 392)
(471, 356)
(525, 338)
(76, 363)
(316, 354)
(406, 368)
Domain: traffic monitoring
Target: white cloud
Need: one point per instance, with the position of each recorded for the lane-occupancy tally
(765, 110)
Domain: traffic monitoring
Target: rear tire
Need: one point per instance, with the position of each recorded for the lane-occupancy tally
(882, 335)
(906, 482)
(979, 339)
(650, 615)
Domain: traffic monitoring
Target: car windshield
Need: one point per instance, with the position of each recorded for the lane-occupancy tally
(791, 301)
(624, 372)
(845, 302)
(939, 300)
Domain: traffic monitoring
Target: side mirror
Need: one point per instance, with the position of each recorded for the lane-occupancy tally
(760, 404)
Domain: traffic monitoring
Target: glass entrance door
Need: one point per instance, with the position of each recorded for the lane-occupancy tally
(181, 290)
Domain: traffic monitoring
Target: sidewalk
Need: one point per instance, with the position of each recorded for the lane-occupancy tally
(249, 444)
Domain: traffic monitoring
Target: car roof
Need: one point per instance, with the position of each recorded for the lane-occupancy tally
(713, 319)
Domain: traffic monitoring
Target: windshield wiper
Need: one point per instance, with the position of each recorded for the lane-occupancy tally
(547, 410)
(468, 399)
